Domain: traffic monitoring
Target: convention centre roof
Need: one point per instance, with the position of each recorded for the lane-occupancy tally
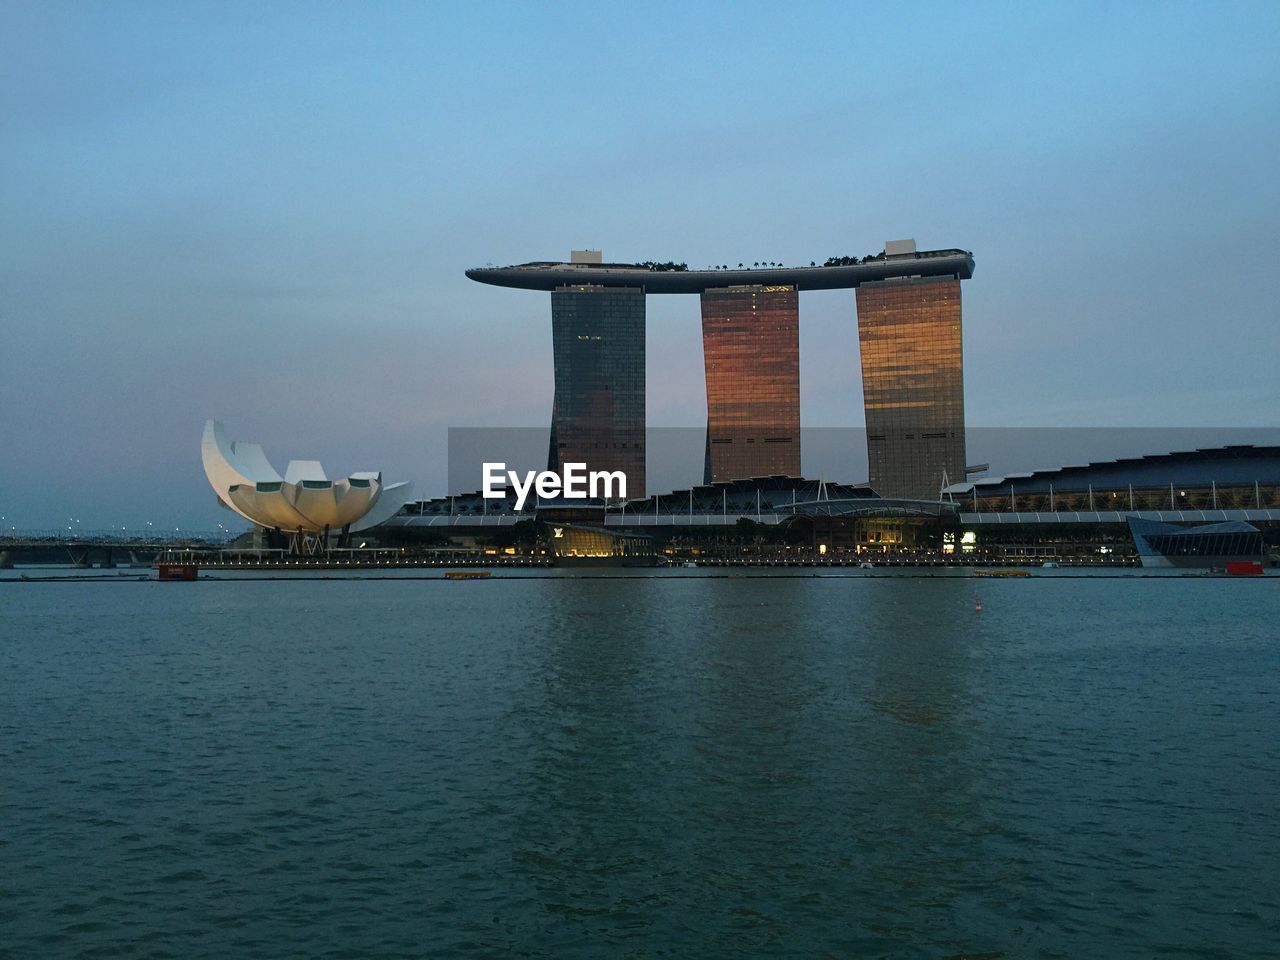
(1241, 465)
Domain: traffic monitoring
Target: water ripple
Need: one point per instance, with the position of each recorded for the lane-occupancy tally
(641, 768)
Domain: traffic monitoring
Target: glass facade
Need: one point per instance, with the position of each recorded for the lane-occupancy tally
(1208, 544)
(1133, 498)
(751, 350)
(578, 541)
(1167, 544)
(912, 385)
(598, 414)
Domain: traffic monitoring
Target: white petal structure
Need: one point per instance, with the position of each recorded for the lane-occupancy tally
(304, 498)
(299, 470)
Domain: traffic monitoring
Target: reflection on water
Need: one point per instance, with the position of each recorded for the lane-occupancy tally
(588, 767)
(585, 735)
(932, 823)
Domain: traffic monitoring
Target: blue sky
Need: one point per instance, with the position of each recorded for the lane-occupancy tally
(262, 213)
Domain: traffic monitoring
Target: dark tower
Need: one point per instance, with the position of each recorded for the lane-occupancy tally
(597, 416)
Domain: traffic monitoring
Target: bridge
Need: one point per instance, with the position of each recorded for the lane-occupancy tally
(98, 548)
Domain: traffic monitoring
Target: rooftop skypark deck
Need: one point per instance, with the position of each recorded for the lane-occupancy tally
(841, 273)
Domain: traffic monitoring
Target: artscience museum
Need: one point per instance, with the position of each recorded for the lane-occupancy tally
(303, 504)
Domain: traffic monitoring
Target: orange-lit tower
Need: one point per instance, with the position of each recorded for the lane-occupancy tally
(751, 349)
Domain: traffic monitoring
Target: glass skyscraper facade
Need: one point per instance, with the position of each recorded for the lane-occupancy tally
(598, 413)
(909, 333)
(751, 350)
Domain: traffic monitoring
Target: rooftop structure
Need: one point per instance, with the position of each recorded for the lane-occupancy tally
(769, 500)
(1240, 482)
(1247, 487)
(670, 278)
(1240, 465)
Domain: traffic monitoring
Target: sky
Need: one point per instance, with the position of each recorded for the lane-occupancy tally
(261, 213)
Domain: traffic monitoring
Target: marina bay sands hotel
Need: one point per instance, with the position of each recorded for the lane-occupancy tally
(909, 332)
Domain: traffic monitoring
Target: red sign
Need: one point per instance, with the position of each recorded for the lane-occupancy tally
(1244, 568)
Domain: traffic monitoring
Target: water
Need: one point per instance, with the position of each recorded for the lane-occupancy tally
(640, 768)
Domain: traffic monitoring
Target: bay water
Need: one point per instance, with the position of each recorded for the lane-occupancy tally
(641, 767)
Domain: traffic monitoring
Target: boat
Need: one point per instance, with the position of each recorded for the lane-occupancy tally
(1001, 573)
(467, 574)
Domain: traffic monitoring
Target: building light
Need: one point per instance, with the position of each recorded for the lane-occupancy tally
(822, 549)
